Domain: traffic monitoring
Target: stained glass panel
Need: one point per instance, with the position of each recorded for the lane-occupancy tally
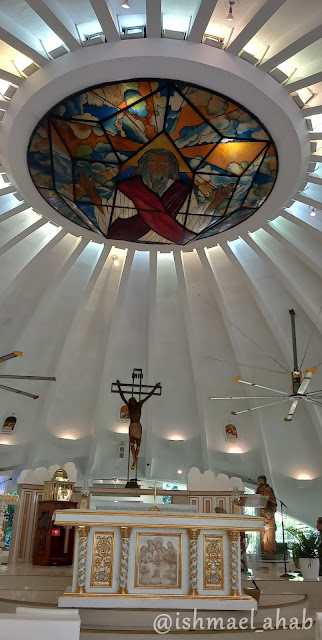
(152, 161)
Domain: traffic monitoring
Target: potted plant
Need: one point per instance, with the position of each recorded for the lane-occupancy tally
(306, 549)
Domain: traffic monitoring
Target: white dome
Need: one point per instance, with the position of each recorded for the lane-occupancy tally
(195, 317)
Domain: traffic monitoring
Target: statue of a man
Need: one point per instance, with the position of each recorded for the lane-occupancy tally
(135, 429)
(268, 543)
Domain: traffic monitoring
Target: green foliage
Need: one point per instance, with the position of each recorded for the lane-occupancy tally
(220, 510)
(281, 548)
(305, 543)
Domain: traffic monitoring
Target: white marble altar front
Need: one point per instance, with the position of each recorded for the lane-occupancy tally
(157, 560)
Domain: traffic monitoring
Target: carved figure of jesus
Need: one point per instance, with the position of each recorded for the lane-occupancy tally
(135, 429)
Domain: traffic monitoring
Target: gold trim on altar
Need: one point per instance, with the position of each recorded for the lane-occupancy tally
(102, 559)
(158, 560)
(213, 561)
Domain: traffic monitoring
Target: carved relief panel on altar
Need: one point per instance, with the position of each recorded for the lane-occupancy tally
(158, 561)
(213, 562)
(102, 560)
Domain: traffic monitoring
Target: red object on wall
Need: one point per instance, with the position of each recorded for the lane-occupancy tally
(55, 531)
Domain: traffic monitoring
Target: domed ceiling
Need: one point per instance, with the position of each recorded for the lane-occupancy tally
(152, 161)
(88, 308)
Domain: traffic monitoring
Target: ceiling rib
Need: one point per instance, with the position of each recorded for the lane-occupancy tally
(315, 135)
(304, 82)
(201, 20)
(314, 179)
(56, 18)
(295, 246)
(9, 189)
(303, 224)
(193, 356)
(22, 235)
(269, 320)
(285, 275)
(10, 77)
(106, 19)
(153, 18)
(109, 338)
(292, 49)
(252, 23)
(311, 111)
(151, 356)
(10, 213)
(315, 157)
(227, 314)
(21, 40)
(308, 200)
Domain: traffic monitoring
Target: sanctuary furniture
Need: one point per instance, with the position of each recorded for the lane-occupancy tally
(152, 559)
(53, 544)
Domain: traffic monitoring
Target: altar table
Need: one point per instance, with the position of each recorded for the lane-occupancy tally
(157, 560)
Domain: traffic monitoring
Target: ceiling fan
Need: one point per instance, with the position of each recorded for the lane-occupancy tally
(15, 354)
(299, 380)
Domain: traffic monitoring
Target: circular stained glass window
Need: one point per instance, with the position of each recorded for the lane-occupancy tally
(152, 161)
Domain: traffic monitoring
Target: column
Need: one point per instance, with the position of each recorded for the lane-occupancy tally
(125, 534)
(234, 562)
(83, 532)
(193, 537)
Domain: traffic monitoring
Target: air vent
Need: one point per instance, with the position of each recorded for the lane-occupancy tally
(94, 38)
(214, 42)
(130, 33)
(174, 35)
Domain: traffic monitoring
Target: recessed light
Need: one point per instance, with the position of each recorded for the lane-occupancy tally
(115, 500)
(179, 472)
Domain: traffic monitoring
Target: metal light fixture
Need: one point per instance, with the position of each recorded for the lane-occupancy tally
(230, 12)
(125, 5)
(312, 212)
(115, 260)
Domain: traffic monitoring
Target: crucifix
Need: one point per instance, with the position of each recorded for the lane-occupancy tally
(135, 406)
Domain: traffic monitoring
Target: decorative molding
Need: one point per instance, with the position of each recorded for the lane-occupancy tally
(234, 555)
(125, 534)
(213, 561)
(102, 560)
(83, 532)
(193, 537)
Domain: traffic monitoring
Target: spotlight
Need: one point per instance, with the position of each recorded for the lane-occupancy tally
(313, 212)
(115, 261)
(125, 5)
(230, 12)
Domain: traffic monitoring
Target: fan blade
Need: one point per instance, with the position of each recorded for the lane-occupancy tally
(315, 393)
(260, 386)
(246, 398)
(261, 406)
(27, 377)
(306, 379)
(314, 401)
(23, 393)
(291, 412)
(13, 354)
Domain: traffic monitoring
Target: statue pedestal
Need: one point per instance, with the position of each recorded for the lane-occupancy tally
(153, 560)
